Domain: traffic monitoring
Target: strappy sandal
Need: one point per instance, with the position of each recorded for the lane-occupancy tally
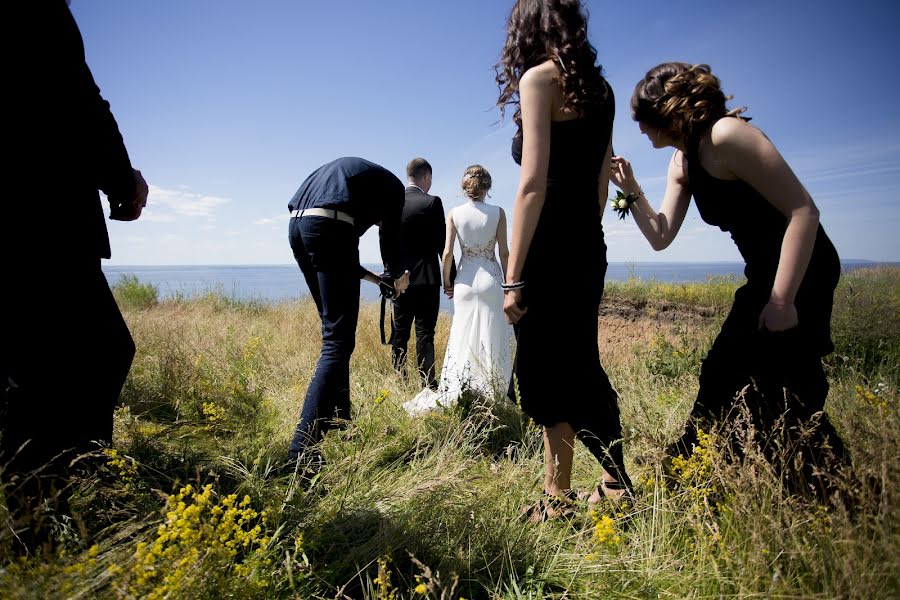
(550, 506)
(602, 490)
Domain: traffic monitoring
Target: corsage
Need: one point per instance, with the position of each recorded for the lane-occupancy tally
(622, 202)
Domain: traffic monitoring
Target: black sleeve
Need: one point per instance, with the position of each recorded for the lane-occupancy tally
(439, 226)
(108, 157)
(57, 95)
(389, 234)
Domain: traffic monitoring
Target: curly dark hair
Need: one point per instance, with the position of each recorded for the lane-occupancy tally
(681, 99)
(541, 30)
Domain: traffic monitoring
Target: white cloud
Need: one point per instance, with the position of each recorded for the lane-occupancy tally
(167, 204)
(151, 215)
(272, 220)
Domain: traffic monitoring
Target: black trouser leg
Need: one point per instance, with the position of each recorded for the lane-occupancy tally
(404, 311)
(327, 253)
(428, 306)
(62, 375)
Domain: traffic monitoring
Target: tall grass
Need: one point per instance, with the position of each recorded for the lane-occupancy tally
(428, 507)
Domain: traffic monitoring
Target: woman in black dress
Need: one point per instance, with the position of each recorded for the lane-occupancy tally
(565, 112)
(778, 329)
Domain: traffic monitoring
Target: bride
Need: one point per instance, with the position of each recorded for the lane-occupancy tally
(478, 357)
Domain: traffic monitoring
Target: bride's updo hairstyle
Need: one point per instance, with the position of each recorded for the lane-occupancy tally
(680, 99)
(476, 182)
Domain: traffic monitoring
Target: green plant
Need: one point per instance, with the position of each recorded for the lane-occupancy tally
(130, 293)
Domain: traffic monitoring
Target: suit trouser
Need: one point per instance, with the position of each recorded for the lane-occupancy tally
(784, 390)
(327, 251)
(422, 303)
(66, 352)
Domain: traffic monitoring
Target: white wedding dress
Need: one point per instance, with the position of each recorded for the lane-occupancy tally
(478, 357)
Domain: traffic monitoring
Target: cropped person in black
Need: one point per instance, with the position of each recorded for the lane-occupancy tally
(65, 350)
(778, 329)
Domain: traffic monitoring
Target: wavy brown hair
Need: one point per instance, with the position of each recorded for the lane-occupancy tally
(476, 182)
(681, 99)
(542, 30)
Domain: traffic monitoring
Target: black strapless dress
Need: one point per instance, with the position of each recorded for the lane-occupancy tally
(557, 371)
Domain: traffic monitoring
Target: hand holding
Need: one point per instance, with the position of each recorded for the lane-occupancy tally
(387, 290)
(448, 290)
(778, 317)
(622, 175)
(512, 306)
(401, 283)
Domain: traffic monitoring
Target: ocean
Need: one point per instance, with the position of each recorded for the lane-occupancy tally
(276, 283)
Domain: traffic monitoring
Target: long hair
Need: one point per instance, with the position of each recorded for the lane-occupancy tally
(680, 99)
(541, 30)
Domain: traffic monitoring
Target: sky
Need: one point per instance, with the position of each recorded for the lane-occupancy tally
(227, 106)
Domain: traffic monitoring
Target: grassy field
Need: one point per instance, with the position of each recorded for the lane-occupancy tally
(188, 504)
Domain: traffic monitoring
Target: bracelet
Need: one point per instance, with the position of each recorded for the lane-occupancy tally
(507, 287)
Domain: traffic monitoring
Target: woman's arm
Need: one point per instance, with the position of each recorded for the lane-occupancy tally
(749, 155)
(662, 227)
(447, 256)
(535, 97)
(501, 241)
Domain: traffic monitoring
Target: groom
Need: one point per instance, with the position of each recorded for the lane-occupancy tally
(422, 234)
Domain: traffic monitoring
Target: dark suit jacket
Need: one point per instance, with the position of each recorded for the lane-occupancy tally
(63, 142)
(422, 235)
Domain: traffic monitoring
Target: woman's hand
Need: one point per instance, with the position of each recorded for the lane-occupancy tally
(622, 175)
(448, 289)
(511, 306)
(778, 317)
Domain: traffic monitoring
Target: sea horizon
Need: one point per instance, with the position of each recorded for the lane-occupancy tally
(285, 282)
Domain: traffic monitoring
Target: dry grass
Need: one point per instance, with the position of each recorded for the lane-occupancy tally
(431, 504)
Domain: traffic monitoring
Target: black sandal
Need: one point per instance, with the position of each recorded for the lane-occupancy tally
(551, 506)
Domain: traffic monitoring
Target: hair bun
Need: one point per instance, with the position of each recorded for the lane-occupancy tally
(476, 182)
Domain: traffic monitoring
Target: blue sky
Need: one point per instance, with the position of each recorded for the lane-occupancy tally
(226, 106)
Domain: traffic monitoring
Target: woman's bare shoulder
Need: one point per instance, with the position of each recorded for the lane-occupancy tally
(541, 75)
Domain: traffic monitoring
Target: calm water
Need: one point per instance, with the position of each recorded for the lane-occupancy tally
(284, 282)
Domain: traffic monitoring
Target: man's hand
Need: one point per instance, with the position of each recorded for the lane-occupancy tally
(401, 283)
(131, 209)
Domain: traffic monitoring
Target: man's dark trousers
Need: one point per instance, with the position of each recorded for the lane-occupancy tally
(63, 362)
(420, 303)
(327, 251)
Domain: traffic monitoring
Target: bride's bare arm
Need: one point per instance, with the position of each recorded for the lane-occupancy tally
(502, 247)
(447, 256)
